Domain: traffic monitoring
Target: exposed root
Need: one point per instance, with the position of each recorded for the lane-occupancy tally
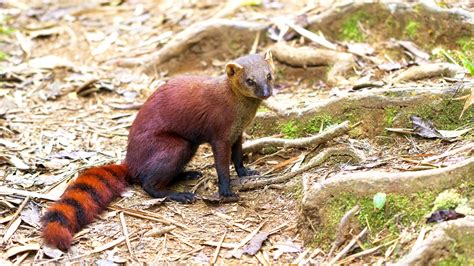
(326, 135)
(340, 63)
(366, 183)
(254, 183)
(194, 34)
(428, 71)
(441, 239)
(368, 99)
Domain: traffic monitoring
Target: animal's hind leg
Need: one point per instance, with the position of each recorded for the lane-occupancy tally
(170, 154)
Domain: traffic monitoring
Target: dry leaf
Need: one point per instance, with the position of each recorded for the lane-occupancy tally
(255, 243)
(424, 128)
(52, 252)
(31, 215)
(15, 161)
(12, 229)
(51, 62)
(25, 43)
(17, 250)
(106, 43)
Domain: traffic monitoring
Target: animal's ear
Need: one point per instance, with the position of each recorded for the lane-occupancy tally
(269, 59)
(232, 69)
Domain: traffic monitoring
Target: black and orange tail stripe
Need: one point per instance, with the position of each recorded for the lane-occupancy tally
(114, 181)
(64, 214)
(58, 217)
(99, 184)
(94, 194)
(78, 209)
(89, 205)
(85, 198)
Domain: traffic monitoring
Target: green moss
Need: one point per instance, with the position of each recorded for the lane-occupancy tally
(399, 210)
(295, 191)
(466, 44)
(296, 129)
(350, 29)
(444, 113)
(411, 29)
(448, 199)
(390, 115)
(460, 252)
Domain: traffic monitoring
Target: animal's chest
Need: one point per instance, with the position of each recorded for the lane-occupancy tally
(242, 121)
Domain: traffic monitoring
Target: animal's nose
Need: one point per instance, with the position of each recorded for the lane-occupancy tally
(266, 92)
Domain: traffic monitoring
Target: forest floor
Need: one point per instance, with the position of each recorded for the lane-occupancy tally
(72, 79)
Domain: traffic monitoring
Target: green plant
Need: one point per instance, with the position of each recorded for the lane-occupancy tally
(351, 29)
(411, 29)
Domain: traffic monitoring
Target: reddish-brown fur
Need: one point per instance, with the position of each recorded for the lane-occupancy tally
(179, 116)
(64, 218)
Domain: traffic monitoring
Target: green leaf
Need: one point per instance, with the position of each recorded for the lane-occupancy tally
(379, 200)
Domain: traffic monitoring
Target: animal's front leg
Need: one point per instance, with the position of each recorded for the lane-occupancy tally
(238, 160)
(222, 151)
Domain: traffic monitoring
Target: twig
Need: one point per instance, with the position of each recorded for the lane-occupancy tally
(25, 193)
(346, 249)
(218, 248)
(248, 237)
(145, 215)
(326, 135)
(468, 147)
(9, 229)
(253, 183)
(342, 228)
(364, 252)
(312, 36)
(125, 233)
(105, 247)
(160, 231)
(255, 43)
(300, 257)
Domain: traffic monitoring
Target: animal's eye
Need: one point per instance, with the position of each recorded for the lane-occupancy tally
(269, 76)
(250, 82)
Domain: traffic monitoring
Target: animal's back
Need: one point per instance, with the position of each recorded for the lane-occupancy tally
(193, 107)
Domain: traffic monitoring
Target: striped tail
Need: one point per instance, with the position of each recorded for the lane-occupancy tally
(82, 201)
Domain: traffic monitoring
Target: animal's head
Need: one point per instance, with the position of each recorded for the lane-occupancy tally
(252, 75)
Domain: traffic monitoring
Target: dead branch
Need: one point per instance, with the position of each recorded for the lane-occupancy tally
(341, 229)
(253, 183)
(443, 236)
(340, 63)
(428, 71)
(366, 183)
(346, 249)
(194, 34)
(326, 135)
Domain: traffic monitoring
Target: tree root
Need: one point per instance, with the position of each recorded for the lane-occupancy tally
(326, 135)
(254, 183)
(367, 183)
(340, 63)
(442, 238)
(375, 99)
(428, 71)
(194, 34)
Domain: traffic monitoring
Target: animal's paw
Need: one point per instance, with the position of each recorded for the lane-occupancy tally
(183, 197)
